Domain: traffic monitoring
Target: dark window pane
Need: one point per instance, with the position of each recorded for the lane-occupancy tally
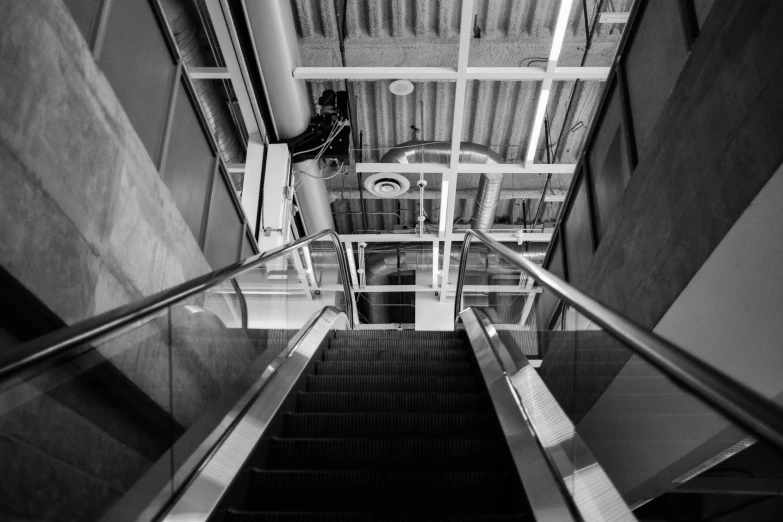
(548, 301)
(578, 234)
(654, 57)
(137, 63)
(610, 167)
(190, 163)
(223, 229)
(84, 13)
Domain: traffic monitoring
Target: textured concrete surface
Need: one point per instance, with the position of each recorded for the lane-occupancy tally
(86, 222)
(715, 145)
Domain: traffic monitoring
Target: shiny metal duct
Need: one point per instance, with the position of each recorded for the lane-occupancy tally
(312, 197)
(184, 21)
(273, 30)
(439, 152)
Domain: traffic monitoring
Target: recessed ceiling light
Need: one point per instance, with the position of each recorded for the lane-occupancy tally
(401, 87)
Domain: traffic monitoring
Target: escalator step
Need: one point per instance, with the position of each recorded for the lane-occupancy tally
(394, 368)
(392, 383)
(401, 354)
(466, 403)
(385, 491)
(267, 516)
(396, 344)
(389, 454)
(386, 425)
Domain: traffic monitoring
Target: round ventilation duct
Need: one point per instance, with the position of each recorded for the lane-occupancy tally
(387, 185)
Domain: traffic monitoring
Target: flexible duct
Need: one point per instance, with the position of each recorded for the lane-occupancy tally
(183, 18)
(439, 152)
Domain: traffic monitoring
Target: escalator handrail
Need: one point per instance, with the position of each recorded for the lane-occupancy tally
(756, 414)
(38, 350)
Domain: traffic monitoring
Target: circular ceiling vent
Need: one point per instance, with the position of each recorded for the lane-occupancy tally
(387, 184)
(401, 87)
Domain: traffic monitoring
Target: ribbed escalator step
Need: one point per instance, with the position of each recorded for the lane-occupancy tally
(392, 383)
(400, 354)
(385, 425)
(267, 516)
(466, 403)
(393, 368)
(384, 491)
(396, 344)
(389, 454)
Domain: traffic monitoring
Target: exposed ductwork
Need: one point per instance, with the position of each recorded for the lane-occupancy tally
(312, 197)
(439, 152)
(183, 18)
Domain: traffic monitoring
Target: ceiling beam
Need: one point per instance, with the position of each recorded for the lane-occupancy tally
(451, 74)
(538, 73)
(468, 168)
(465, 32)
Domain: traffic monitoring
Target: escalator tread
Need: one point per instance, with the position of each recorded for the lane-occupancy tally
(387, 427)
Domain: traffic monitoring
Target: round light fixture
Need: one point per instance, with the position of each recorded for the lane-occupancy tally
(387, 184)
(401, 87)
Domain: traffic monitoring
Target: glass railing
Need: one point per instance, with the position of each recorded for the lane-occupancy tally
(109, 418)
(645, 412)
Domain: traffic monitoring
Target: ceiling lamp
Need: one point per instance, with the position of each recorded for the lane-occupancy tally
(401, 87)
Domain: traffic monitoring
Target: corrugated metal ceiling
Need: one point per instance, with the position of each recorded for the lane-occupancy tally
(497, 114)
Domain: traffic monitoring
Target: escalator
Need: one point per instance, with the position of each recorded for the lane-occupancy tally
(264, 402)
(383, 426)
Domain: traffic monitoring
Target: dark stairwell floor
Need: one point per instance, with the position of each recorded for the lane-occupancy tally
(391, 426)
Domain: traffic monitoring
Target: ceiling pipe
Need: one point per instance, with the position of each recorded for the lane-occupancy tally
(273, 32)
(439, 152)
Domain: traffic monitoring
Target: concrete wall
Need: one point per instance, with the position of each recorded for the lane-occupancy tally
(644, 430)
(716, 143)
(85, 221)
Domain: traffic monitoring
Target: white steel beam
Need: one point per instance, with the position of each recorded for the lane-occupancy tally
(235, 168)
(538, 73)
(535, 74)
(468, 168)
(427, 288)
(518, 168)
(614, 18)
(406, 168)
(375, 73)
(351, 263)
(208, 73)
(506, 236)
(465, 32)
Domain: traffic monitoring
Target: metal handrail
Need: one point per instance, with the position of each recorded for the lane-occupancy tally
(756, 414)
(45, 347)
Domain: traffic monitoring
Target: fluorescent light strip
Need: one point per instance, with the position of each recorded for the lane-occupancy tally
(444, 199)
(560, 28)
(537, 121)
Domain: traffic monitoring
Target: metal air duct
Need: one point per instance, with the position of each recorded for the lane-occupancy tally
(273, 30)
(439, 152)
